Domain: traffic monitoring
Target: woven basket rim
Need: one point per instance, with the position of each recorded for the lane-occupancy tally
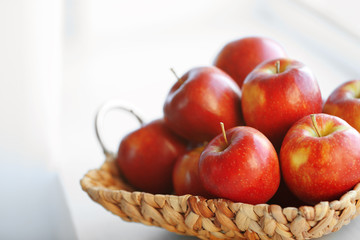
(112, 196)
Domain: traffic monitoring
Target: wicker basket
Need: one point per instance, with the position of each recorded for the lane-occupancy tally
(214, 218)
(217, 218)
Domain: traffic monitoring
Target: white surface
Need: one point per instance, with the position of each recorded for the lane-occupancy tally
(30, 76)
(33, 205)
(51, 89)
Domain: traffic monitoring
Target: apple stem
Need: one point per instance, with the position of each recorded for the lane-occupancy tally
(223, 132)
(177, 77)
(277, 65)
(315, 125)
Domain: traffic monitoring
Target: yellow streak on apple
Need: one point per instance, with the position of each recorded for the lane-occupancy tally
(258, 94)
(357, 89)
(255, 95)
(308, 130)
(354, 87)
(299, 157)
(293, 95)
(330, 128)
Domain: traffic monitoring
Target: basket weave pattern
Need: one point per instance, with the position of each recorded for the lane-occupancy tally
(217, 218)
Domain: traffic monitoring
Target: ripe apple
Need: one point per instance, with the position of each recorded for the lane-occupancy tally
(244, 168)
(147, 156)
(186, 178)
(199, 100)
(320, 158)
(238, 58)
(276, 94)
(344, 102)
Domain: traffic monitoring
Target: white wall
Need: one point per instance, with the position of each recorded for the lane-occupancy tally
(30, 77)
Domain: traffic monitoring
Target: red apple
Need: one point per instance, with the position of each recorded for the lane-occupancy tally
(276, 94)
(244, 168)
(186, 178)
(147, 156)
(344, 102)
(201, 99)
(238, 58)
(320, 158)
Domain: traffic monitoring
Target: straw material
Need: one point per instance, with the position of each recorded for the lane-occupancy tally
(217, 218)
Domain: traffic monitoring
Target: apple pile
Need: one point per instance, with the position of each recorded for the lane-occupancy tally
(238, 129)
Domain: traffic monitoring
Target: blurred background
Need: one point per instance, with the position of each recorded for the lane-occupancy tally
(61, 59)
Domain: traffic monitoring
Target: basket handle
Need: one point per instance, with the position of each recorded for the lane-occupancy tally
(100, 117)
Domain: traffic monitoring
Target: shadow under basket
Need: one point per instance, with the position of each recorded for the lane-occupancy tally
(217, 218)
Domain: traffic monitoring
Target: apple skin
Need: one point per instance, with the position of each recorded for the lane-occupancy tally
(199, 100)
(186, 178)
(244, 170)
(146, 157)
(321, 168)
(238, 58)
(344, 102)
(272, 102)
